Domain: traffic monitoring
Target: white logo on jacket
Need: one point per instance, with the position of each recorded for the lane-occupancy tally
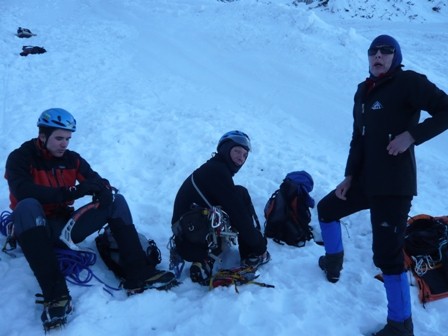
(376, 106)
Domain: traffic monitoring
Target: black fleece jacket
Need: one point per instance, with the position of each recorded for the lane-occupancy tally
(383, 109)
(215, 181)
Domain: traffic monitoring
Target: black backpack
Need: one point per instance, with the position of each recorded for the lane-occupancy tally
(287, 211)
(108, 250)
(426, 255)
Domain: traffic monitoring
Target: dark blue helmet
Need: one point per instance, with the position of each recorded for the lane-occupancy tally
(238, 137)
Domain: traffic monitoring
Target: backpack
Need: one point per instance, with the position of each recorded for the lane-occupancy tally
(109, 253)
(287, 212)
(426, 255)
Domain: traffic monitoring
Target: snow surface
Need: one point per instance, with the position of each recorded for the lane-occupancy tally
(154, 84)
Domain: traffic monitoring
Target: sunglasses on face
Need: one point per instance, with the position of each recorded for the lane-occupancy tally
(385, 50)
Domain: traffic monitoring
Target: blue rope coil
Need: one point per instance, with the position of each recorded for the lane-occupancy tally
(75, 266)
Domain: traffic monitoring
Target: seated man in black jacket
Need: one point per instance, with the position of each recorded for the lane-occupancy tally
(212, 185)
(42, 176)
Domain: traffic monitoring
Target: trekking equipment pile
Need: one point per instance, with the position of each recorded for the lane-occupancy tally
(426, 255)
(24, 33)
(287, 212)
(29, 50)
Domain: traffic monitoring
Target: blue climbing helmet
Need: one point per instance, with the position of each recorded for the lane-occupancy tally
(238, 137)
(57, 118)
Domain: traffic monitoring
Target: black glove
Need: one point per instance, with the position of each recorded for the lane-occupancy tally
(86, 187)
(104, 197)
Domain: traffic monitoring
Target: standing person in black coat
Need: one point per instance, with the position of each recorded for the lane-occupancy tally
(212, 184)
(44, 179)
(380, 174)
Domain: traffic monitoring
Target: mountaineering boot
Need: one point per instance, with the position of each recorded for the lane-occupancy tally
(155, 279)
(331, 264)
(399, 321)
(140, 275)
(393, 328)
(38, 250)
(256, 261)
(201, 272)
(56, 312)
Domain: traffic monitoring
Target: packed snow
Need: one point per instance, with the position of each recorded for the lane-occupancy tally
(154, 84)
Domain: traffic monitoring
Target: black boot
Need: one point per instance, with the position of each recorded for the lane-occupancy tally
(38, 250)
(393, 328)
(201, 272)
(331, 264)
(140, 274)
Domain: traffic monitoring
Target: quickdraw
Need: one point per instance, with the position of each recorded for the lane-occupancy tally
(220, 228)
(424, 263)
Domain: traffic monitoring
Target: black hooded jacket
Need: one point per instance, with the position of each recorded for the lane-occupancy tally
(383, 109)
(215, 181)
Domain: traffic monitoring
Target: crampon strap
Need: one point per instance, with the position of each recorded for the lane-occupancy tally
(176, 262)
(236, 277)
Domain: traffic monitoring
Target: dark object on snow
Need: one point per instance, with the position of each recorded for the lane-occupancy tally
(26, 50)
(287, 211)
(426, 255)
(109, 252)
(24, 33)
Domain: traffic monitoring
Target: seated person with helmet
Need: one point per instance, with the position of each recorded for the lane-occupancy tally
(211, 187)
(42, 176)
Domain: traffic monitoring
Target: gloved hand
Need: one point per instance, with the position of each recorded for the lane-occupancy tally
(104, 197)
(86, 187)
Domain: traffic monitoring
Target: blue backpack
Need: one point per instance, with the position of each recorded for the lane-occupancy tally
(287, 212)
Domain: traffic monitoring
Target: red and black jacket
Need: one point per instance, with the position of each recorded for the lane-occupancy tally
(32, 172)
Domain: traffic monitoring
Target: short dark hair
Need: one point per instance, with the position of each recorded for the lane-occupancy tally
(47, 131)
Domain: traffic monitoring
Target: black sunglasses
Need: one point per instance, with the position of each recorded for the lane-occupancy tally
(385, 50)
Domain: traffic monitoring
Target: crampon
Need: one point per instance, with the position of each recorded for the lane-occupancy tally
(161, 280)
(236, 277)
(55, 313)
